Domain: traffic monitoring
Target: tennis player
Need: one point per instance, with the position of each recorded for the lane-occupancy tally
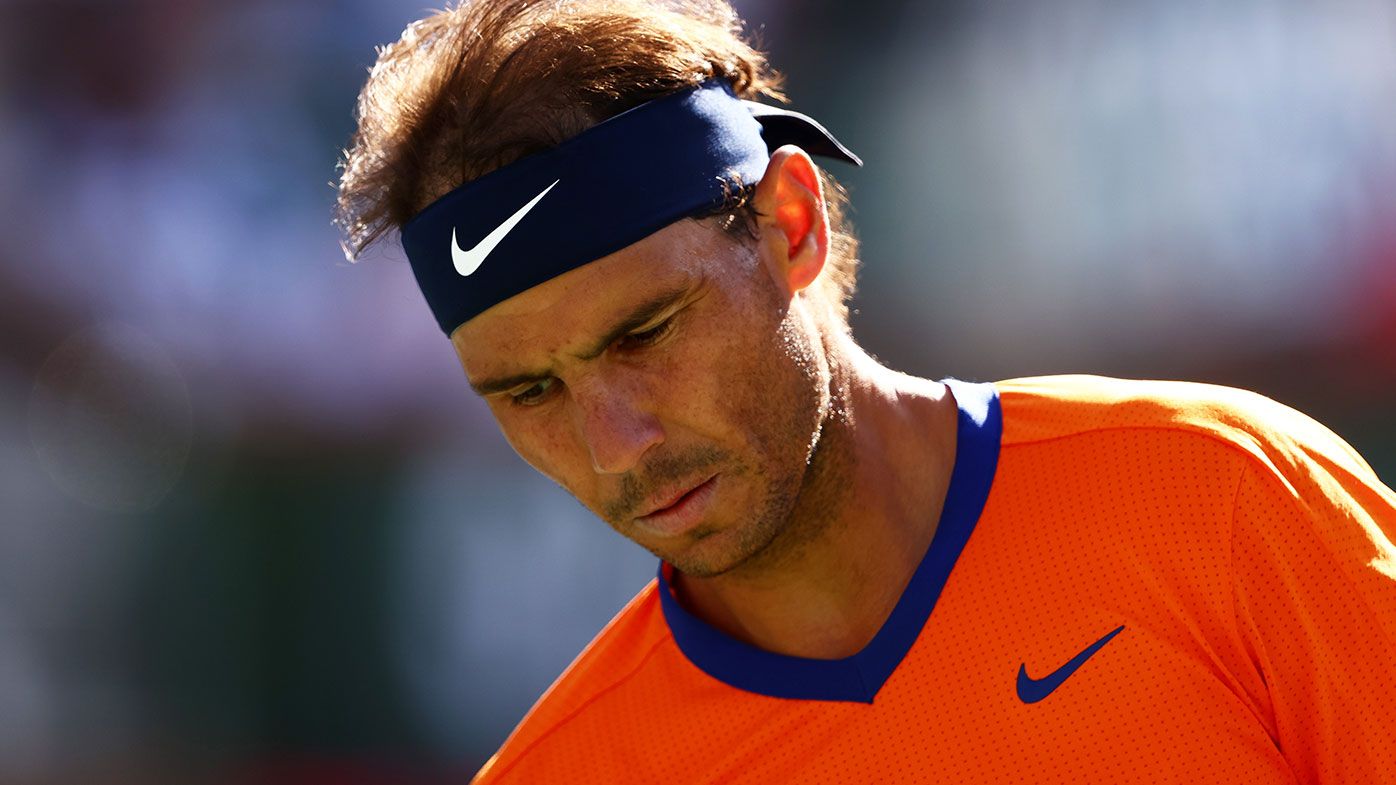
(863, 576)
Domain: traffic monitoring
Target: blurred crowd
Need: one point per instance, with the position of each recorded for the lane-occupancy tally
(253, 525)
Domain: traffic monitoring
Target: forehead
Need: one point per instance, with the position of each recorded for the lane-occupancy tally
(575, 307)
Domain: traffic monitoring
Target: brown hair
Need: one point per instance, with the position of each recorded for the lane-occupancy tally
(476, 87)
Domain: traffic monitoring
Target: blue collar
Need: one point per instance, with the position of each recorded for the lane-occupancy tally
(860, 676)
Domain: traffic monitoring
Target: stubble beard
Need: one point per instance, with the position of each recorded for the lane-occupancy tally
(802, 491)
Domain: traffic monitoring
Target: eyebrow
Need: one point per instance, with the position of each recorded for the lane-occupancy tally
(635, 319)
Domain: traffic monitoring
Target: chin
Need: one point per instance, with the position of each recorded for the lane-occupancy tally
(710, 552)
(701, 554)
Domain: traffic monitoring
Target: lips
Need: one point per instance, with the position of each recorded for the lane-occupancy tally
(674, 513)
(660, 502)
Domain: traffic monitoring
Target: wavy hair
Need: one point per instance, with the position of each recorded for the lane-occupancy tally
(475, 87)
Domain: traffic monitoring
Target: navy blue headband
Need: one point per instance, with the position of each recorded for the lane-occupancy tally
(596, 193)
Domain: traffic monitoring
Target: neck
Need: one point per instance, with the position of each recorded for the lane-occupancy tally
(866, 514)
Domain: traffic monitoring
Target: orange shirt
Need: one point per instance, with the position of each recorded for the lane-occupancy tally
(1130, 582)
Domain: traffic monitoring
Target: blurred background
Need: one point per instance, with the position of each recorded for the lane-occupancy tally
(255, 528)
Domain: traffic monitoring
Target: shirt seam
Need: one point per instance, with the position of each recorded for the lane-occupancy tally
(1169, 428)
(1234, 587)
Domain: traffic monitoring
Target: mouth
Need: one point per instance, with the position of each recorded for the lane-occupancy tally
(661, 502)
(679, 511)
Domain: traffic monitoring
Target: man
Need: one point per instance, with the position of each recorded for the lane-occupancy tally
(864, 576)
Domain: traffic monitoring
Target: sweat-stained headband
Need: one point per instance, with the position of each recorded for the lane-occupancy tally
(596, 193)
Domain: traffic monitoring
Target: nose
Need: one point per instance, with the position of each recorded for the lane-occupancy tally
(615, 425)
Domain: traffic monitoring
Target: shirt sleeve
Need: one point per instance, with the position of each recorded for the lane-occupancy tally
(1314, 570)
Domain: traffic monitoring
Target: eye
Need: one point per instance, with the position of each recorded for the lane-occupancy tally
(644, 338)
(534, 395)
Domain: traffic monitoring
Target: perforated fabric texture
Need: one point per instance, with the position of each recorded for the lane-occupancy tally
(1243, 552)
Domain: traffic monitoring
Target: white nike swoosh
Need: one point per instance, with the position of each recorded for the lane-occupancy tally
(469, 261)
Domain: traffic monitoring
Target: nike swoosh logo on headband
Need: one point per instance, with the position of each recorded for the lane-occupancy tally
(469, 261)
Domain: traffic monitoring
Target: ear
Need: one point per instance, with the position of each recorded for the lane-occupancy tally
(793, 223)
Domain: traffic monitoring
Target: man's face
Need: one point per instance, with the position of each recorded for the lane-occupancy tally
(675, 388)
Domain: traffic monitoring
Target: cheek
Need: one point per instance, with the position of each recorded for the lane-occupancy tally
(695, 385)
(545, 441)
(784, 391)
(763, 382)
